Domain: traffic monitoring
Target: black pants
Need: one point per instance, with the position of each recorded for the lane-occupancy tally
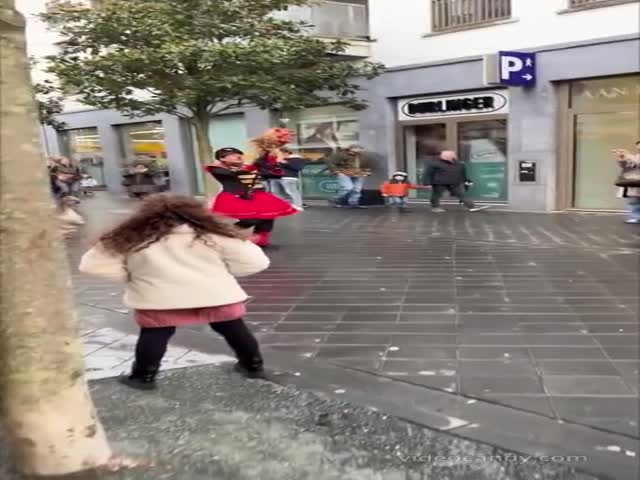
(259, 226)
(455, 191)
(152, 344)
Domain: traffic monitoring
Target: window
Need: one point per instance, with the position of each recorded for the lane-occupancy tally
(145, 143)
(456, 14)
(604, 115)
(333, 19)
(83, 146)
(320, 132)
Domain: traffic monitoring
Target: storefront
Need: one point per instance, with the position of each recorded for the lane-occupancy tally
(144, 142)
(319, 132)
(474, 124)
(600, 114)
(83, 146)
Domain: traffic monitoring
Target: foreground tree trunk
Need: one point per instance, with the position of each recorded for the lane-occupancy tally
(47, 410)
(205, 154)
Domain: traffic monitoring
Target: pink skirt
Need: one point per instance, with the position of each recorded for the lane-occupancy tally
(189, 316)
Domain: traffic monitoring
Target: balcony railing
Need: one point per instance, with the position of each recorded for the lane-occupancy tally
(333, 19)
(457, 14)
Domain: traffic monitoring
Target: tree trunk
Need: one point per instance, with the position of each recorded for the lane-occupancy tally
(205, 153)
(47, 410)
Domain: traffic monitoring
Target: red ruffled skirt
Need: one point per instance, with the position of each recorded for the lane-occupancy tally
(261, 206)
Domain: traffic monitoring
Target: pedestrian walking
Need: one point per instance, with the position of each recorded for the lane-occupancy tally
(66, 176)
(396, 190)
(351, 167)
(448, 174)
(629, 181)
(243, 197)
(179, 264)
(288, 186)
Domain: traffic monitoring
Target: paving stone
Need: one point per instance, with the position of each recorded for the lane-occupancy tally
(585, 385)
(491, 385)
(568, 353)
(493, 353)
(578, 368)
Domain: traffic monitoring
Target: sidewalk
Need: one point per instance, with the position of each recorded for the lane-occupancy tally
(534, 315)
(205, 423)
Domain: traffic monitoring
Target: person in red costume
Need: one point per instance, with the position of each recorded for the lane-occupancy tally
(243, 197)
(269, 158)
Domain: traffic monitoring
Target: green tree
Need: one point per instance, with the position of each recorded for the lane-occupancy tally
(49, 104)
(199, 58)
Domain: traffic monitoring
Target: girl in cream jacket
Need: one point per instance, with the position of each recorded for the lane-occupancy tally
(179, 263)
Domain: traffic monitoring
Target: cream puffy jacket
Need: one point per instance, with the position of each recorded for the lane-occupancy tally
(180, 271)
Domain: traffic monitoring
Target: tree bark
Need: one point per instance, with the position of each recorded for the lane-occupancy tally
(47, 410)
(205, 153)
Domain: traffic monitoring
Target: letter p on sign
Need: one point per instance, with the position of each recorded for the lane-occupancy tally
(510, 65)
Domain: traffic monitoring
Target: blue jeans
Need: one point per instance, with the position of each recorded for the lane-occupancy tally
(349, 189)
(400, 201)
(634, 207)
(288, 189)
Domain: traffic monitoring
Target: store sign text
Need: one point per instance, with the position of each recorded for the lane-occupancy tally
(482, 103)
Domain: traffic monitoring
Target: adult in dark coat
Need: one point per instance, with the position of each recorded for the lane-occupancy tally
(448, 174)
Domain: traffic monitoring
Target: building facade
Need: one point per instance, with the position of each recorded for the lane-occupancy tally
(544, 147)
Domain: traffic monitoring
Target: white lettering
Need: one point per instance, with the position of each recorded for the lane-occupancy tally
(510, 65)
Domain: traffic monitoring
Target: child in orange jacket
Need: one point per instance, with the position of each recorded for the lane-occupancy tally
(396, 190)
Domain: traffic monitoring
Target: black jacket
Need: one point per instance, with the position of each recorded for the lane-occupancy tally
(293, 167)
(442, 172)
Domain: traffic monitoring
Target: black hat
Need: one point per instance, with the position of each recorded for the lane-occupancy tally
(223, 152)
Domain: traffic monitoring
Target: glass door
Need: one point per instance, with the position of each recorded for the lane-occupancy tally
(482, 145)
(424, 144)
(596, 134)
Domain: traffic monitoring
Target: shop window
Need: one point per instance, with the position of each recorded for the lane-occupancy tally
(482, 145)
(319, 133)
(596, 134)
(604, 115)
(605, 92)
(145, 143)
(84, 148)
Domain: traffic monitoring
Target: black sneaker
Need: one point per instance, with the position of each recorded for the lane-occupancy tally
(139, 383)
(358, 207)
(254, 374)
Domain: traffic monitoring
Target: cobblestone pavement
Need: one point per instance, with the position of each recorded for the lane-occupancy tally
(538, 312)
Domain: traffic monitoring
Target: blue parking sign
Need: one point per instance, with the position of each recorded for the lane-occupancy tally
(517, 69)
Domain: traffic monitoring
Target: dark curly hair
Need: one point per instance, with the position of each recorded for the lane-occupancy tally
(157, 217)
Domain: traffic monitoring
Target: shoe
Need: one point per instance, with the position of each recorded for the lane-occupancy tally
(257, 373)
(358, 207)
(140, 379)
(438, 210)
(632, 221)
(304, 205)
(477, 209)
(300, 209)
